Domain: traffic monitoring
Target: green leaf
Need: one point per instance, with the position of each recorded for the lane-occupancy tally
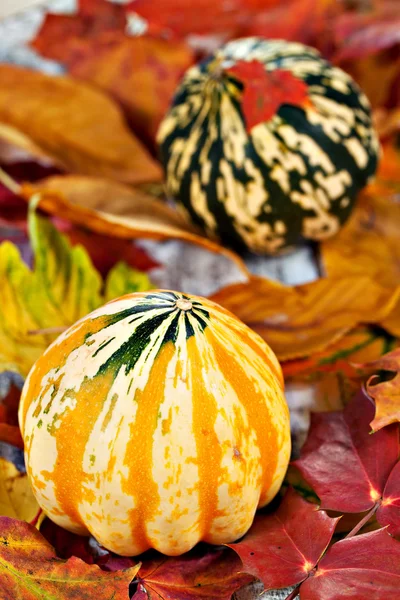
(63, 287)
(122, 279)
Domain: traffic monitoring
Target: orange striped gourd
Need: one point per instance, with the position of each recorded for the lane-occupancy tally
(158, 420)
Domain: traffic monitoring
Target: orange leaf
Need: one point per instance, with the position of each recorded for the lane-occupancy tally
(385, 393)
(29, 569)
(76, 126)
(140, 72)
(304, 319)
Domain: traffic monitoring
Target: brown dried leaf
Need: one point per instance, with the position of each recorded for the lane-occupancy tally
(76, 126)
(114, 209)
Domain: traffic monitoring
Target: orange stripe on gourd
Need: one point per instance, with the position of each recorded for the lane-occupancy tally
(74, 428)
(139, 451)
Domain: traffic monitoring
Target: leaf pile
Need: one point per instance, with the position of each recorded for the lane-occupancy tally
(81, 148)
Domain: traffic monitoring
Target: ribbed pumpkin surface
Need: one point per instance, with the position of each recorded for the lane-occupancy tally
(156, 421)
(293, 176)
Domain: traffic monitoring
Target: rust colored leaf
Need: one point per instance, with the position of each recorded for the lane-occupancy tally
(292, 21)
(389, 511)
(140, 71)
(340, 457)
(283, 548)
(367, 46)
(298, 321)
(205, 572)
(385, 393)
(265, 91)
(9, 429)
(204, 17)
(131, 214)
(361, 567)
(77, 126)
(16, 496)
(30, 570)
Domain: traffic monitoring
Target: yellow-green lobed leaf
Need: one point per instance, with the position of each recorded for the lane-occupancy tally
(62, 287)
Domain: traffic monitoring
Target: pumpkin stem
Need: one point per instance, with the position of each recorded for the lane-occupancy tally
(184, 304)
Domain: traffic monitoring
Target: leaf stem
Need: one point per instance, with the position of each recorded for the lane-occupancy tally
(9, 182)
(364, 520)
(47, 331)
(294, 593)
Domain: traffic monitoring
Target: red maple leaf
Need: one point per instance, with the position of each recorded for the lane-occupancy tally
(265, 91)
(283, 548)
(205, 572)
(358, 568)
(351, 470)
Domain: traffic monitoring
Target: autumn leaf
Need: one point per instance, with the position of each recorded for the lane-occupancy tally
(292, 21)
(16, 496)
(205, 572)
(339, 461)
(386, 393)
(331, 377)
(364, 566)
(9, 428)
(132, 214)
(368, 241)
(78, 127)
(366, 44)
(64, 286)
(29, 569)
(141, 72)
(204, 17)
(282, 549)
(300, 320)
(265, 91)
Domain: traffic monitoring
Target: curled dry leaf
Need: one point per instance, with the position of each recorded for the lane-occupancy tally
(16, 496)
(357, 568)
(283, 548)
(205, 572)
(9, 429)
(78, 127)
(29, 569)
(141, 72)
(111, 208)
(298, 321)
(385, 393)
(64, 286)
(339, 460)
